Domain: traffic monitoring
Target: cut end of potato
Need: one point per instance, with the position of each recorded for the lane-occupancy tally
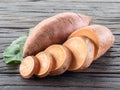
(28, 66)
(46, 63)
(90, 53)
(62, 58)
(78, 48)
(87, 32)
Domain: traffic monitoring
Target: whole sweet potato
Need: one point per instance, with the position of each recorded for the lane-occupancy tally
(53, 30)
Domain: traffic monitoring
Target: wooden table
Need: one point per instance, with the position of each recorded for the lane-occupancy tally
(17, 16)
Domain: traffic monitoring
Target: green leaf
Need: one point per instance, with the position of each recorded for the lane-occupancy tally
(13, 53)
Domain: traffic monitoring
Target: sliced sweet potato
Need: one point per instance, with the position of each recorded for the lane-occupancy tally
(78, 48)
(29, 66)
(100, 35)
(90, 53)
(87, 32)
(46, 63)
(62, 58)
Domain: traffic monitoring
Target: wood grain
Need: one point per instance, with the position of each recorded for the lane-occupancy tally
(17, 16)
(68, 81)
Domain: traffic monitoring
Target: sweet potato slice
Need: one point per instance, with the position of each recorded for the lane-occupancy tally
(78, 48)
(90, 53)
(62, 58)
(87, 32)
(54, 30)
(46, 63)
(29, 66)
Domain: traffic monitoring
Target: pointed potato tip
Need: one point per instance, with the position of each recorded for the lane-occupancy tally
(25, 53)
(86, 18)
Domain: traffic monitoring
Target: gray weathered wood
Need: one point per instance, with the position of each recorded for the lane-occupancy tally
(17, 16)
(68, 80)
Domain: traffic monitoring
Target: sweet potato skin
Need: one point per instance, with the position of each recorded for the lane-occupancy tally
(53, 30)
(105, 36)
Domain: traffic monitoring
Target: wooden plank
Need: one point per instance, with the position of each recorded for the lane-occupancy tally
(60, 0)
(65, 81)
(103, 65)
(53, 87)
(28, 14)
(17, 16)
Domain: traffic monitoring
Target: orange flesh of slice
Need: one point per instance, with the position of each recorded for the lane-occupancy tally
(28, 66)
(78, 48)
(87, 32)
(62, 58)
(46, 63)
(90, 53)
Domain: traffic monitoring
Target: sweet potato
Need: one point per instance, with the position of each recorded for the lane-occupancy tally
(46, 64)
(100, 35)
(105, 36)
(90, 53)
(78, 48)
(29, 66)
(76, 54)
(53, 30)
(87, 32)
(62, 58)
